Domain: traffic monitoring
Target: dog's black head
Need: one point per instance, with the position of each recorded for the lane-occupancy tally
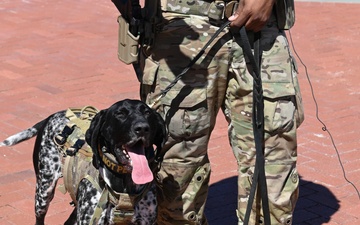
(126, 132)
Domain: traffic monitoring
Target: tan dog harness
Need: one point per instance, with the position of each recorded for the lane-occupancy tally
(77, 165)
(77, 154)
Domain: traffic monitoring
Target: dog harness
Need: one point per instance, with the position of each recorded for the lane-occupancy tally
(77, 154)
(123, 203)
(77, 165)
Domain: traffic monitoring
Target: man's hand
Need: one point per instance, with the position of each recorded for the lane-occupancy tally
(252, 13)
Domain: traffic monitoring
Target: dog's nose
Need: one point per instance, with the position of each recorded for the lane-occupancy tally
(141, 128)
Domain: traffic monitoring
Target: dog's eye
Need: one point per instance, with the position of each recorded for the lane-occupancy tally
(147, 112)
(122, 113)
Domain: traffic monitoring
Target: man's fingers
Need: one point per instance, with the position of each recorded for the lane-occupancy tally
(254, 25)
(233, 17)
(239, 18)
(252, 13)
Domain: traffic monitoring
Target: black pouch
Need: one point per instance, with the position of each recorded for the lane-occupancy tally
(285, 13)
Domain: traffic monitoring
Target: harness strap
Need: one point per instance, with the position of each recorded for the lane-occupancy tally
(81, 116)
(124, 204)
(93, 181)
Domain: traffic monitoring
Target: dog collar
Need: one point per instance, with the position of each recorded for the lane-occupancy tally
(111, 163)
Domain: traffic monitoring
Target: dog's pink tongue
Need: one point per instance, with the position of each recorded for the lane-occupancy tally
(141, 173)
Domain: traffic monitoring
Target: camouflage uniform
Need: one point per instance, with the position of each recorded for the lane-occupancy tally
(220, 80)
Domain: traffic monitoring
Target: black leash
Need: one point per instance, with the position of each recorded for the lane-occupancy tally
(259, 178)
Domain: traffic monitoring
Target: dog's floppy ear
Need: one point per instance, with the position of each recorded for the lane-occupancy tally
(92, 136)
(161, 132)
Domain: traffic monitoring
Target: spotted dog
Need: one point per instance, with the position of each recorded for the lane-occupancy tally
(125, 133)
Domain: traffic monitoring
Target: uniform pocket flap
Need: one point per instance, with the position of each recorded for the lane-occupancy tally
(278, 90)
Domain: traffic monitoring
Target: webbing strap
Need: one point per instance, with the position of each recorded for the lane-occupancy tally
(82, 116)
(259, 178)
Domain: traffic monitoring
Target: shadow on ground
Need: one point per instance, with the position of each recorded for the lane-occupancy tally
(315, 206)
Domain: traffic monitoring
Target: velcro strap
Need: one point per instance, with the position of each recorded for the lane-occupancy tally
(75, 147)
(60, 138)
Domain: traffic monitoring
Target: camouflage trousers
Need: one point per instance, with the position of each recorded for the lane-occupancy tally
(221, 80)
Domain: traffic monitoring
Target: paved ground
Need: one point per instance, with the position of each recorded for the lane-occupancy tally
(59, 54)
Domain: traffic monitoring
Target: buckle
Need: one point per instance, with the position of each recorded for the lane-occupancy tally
(60, 138)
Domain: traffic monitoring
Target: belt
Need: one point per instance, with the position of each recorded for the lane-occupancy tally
(216, 10)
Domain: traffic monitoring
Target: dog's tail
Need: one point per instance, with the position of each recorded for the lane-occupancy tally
(24, 135)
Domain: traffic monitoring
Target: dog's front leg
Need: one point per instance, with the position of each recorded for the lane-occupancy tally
(87, 200)
(107, 216)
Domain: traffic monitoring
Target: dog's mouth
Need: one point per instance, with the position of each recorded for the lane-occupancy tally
(135, 152)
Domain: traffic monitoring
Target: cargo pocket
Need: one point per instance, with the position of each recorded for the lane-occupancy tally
(279, 115)
(281, 89)
(186, 112)
(185, 104)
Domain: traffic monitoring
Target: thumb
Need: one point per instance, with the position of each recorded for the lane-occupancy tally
(237, 11)
(239, 18)
(233, 17)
